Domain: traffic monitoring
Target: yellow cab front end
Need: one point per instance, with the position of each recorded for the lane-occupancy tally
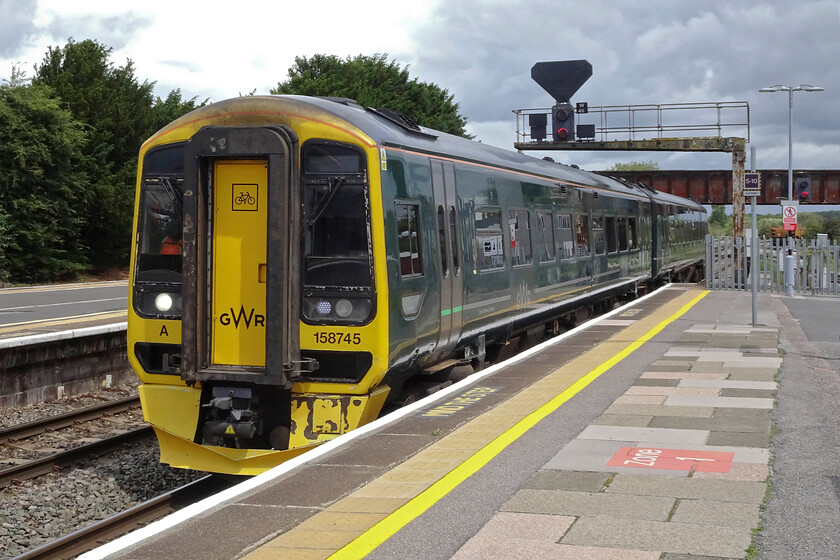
(255, 323)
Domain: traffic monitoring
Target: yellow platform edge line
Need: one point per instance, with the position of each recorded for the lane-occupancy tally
(368, 541)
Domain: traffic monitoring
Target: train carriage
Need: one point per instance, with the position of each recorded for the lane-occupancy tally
(300, 262)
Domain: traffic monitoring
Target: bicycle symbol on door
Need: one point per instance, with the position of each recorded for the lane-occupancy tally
(245, 197)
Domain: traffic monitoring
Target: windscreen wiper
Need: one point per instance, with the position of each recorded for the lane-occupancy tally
(324, 202)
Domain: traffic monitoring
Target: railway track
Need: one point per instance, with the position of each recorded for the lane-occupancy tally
(22, 431)
(37, 467)
(93, 535)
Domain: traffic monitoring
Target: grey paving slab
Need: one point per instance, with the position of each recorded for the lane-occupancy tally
(559, 502)
(656, 382)
(586, 455)
(582, 481)
(625, 420)
(593, 455)
(670, 365)
(752, 362)
(687, 391)
(688, 488)
(707, 367)
(760, 375)
(718, 402)
(661, 410)
(630, 433)
(758, 425)
(652, 535)
(729, 384)
(750, 413)
(680, 556)
(706, 512)
(749, 393)
(682, 375)
(739, 439)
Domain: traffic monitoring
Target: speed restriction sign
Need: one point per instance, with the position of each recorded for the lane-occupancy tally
(752, 184)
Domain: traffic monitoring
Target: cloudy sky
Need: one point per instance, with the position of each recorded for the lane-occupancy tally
(650, 51)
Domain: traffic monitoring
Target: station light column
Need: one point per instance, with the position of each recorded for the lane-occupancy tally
(790, 90)
(789, 260)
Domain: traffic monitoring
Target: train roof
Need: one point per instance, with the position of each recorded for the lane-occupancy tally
(390, 129)
(386, 131)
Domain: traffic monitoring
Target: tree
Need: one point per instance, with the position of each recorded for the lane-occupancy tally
(719, 222)
(119, 113)
(167, 110)
(374, 82)
(42, 194)
(634, 166)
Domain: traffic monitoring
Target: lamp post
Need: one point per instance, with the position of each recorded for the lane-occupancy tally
(790, 90)
(789, 260)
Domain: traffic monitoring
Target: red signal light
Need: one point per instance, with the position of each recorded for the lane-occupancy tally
(562, 134)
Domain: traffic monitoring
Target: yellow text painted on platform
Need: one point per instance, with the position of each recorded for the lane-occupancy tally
(460, 402)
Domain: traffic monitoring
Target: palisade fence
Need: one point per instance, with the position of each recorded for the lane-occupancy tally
(729, 264)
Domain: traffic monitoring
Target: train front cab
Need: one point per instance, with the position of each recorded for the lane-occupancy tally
(277, 329)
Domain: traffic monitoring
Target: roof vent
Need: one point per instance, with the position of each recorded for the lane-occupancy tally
(400, 120)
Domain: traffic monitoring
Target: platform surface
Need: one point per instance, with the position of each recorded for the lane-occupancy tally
(646, 436)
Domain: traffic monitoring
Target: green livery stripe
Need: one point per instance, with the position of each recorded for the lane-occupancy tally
(446, 312)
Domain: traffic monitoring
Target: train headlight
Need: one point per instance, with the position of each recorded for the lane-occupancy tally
(337, 310)
(157, 301)
(343, 308)
(163, 302)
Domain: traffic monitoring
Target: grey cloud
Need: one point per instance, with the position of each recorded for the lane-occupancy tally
(643, 52)
(113, 31)
(17, 25)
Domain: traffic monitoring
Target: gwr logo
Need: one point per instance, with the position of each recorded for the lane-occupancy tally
(243, 317)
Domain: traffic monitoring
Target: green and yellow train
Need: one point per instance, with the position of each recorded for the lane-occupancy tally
(301, 262)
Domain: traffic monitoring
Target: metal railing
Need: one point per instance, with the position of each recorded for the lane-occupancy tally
(663, 120)
(729, 264)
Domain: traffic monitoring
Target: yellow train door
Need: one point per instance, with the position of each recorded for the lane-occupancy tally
(238, 262)
(241, 256)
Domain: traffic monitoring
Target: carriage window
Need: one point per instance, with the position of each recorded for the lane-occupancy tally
(545, 233)
(632, 240)
(331, 159)
(408, 234)
(489, 247)
(622, 234)
(611, 245)
(520, 236)
(598, 234)
(567, 243)
(582, 236)
(441, 223)
(336, 220)
(160, 223)
(453, 234)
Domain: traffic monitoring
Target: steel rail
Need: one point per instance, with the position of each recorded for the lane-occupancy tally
(38, 467)
(88, 538)
(29, 429)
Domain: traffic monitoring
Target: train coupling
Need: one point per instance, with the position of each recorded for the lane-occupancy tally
(231, 417)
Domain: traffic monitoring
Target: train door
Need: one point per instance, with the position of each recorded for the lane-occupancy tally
(238, 263)
(241, 256)
(450, 274)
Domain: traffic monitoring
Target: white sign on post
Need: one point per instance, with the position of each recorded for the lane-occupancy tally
(789, 212)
